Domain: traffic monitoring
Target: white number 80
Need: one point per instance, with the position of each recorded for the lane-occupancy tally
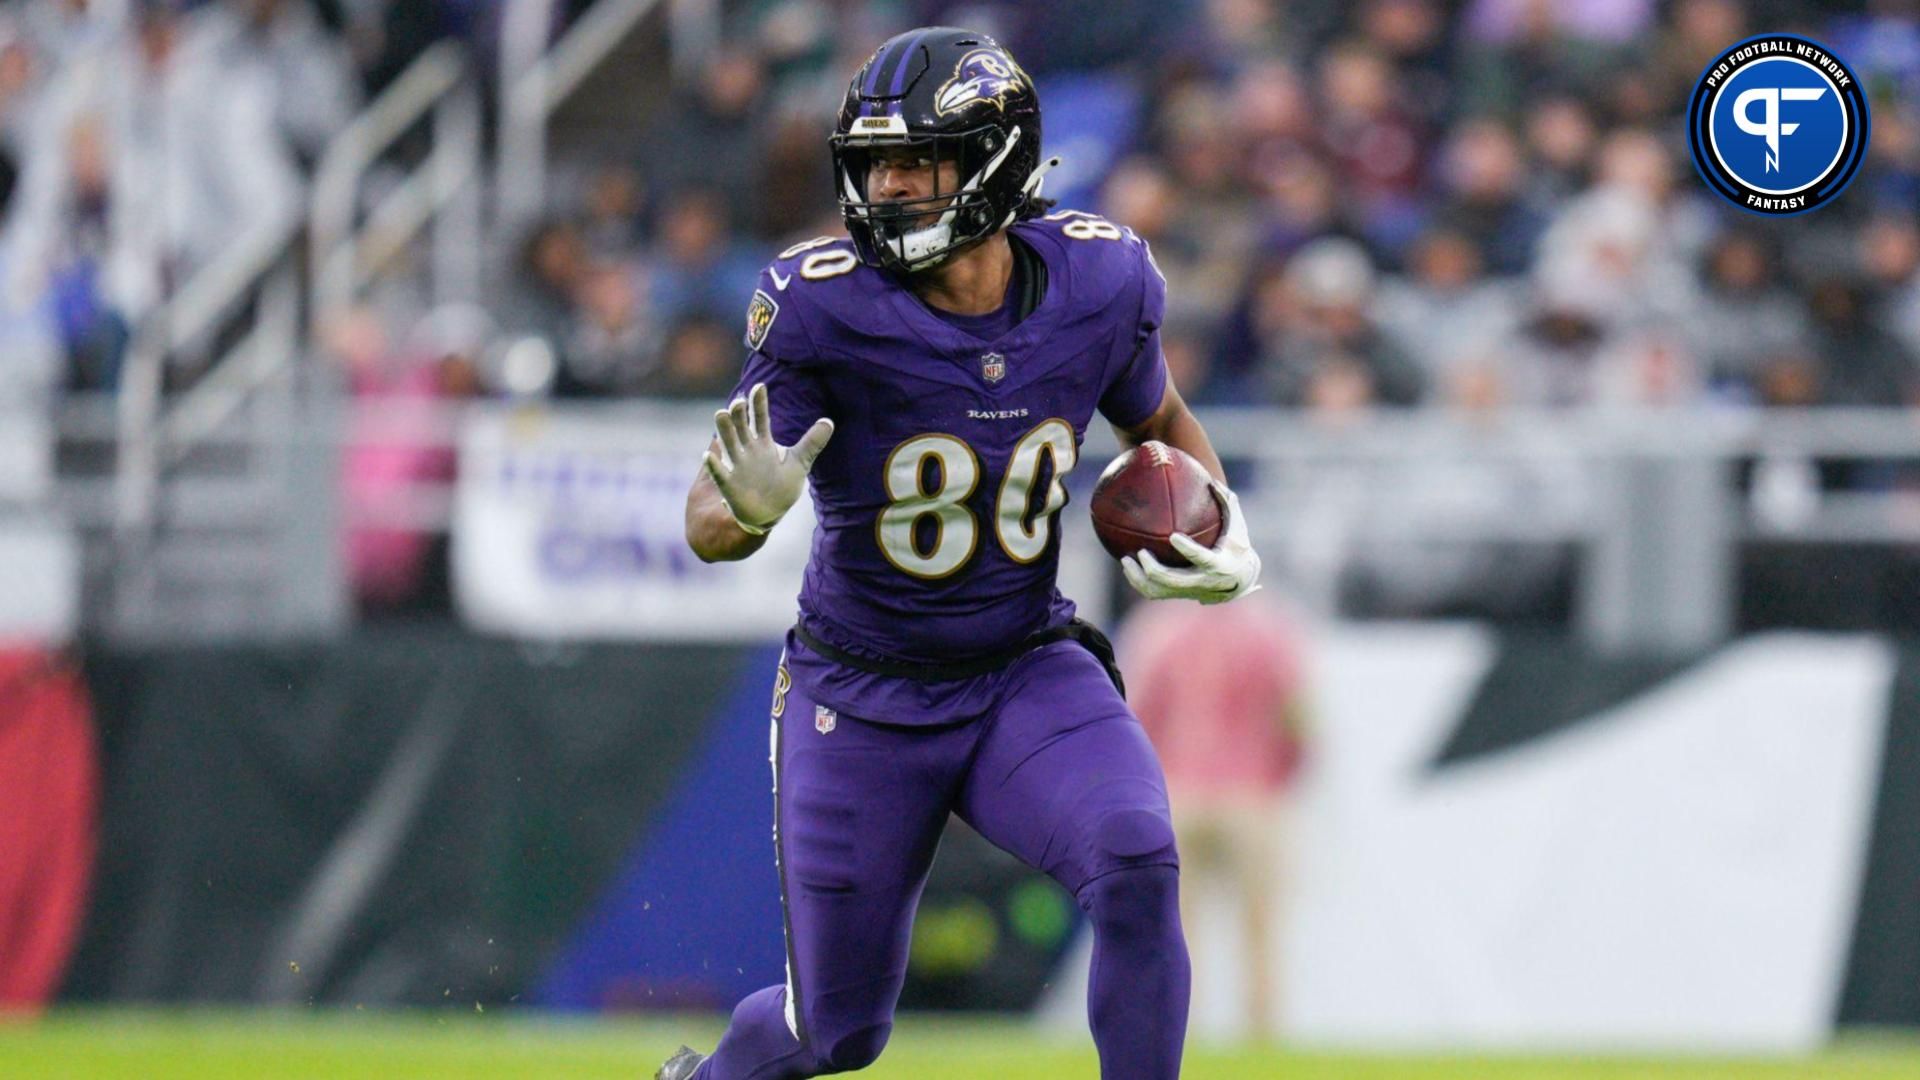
(956, 532)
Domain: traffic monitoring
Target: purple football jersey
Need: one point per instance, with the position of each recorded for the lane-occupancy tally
(937, 497)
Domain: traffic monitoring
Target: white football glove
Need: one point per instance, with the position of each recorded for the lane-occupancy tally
(759, 479)
(1228, 569)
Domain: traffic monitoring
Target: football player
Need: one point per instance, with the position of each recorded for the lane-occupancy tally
(932, 377)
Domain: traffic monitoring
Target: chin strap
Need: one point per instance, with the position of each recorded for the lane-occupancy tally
(1032, 187)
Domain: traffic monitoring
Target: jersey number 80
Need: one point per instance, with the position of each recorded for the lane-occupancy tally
(1022, 535)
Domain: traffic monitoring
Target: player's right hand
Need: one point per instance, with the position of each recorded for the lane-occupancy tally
(1214, 575)
(759, 479)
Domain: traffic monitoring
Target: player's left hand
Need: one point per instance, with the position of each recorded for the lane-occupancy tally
(1228, 569)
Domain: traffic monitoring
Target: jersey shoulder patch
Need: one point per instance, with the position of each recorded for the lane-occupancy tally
(776, 314)
(816, 298)
(762, 310)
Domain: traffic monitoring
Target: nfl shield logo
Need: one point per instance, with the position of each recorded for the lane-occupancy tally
(993, 367)
(824, 718)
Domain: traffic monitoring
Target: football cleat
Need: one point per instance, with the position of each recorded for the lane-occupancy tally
(680, 1066)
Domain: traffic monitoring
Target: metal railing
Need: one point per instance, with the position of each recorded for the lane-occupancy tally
(535, 81)
(1651, 504)
(252, 293)
(442, 191)
(182, 324)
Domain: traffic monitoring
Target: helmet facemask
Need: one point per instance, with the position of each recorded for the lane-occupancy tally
(911, 235)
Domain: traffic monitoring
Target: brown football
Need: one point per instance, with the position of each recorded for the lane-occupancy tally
(1149, 493)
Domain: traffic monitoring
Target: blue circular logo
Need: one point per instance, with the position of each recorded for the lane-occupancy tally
(1778, 124)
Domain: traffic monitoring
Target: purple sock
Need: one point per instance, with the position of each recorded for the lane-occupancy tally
(757, 1044)
(1138, 989)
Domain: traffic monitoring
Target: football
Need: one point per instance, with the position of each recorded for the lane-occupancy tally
(1149, 493)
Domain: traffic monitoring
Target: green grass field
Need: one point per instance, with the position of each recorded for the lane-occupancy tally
(100, 1045)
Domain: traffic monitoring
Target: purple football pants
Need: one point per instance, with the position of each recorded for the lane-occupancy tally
(1059, 773)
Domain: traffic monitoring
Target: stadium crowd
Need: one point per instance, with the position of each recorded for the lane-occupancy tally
(1397, 202)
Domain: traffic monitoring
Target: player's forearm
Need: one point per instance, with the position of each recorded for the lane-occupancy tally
(1185, 433)
(712, 532)
(1174, 424)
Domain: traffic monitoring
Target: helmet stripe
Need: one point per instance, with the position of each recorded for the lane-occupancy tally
(900, 73)
(874, 77)
(896, 58)
(873, 72)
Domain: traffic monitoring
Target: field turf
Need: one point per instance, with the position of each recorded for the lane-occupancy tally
(109, 1045)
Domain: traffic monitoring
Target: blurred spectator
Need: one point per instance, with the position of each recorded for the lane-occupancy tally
(1859, 362)
(394, 562)
(1516, 51)
(21, 73)
(315, 86)
(1590, 22)
(1744, 320)
(1617, 251)
(1641, 163)
(796, 42)
(1303, 204)
(1557, 357)
(1562, 138)
(699, 267)
(1445, 312)
(611, 345)
(1273, 116)
(1699, 31)
(701, 362)
(1190, 363)
(146, 167)
(707, 137)
(553, 265)
(30, 375)
(68, 34)
(1882, 45)
(1374, 141)
(1614, 280)
(794, 180)
(1890, 257)
(1412, 35)
(615, 200)
(1251, 30)
(1485, 176)
(70, 244)
(1322, 347)
(1195, 134)
(30, 346)
(1220, 693)
(1650, 369)
(1891, 177)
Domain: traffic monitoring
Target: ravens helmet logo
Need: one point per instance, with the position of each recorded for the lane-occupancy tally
(985, 74)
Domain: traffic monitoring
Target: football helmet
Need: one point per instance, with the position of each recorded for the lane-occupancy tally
(958, 96)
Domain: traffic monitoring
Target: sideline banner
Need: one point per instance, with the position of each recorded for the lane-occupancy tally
(572, 526)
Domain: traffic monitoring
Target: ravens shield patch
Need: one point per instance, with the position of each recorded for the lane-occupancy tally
(761, 311)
